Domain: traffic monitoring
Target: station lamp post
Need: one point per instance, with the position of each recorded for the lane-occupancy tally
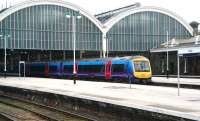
(74, 15)
(107, 39)
(5, 53)
(167, 55)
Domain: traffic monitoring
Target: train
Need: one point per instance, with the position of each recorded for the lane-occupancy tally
(134, 69)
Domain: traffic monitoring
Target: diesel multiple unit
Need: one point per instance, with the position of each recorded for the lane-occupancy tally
(134, 69)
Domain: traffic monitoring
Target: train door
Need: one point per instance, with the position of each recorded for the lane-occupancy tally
(108, 70)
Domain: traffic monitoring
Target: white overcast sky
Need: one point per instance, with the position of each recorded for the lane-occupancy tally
(188, 9)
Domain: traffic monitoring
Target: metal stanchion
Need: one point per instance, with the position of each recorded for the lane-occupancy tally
(178, 73)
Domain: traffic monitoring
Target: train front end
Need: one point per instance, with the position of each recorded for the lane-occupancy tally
(142, 69)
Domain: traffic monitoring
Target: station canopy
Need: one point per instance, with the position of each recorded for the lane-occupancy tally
(190, 51)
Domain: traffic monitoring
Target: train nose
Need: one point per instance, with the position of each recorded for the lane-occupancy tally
(147, 75)
(142, 75)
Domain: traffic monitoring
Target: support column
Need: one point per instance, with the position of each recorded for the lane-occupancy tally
(101, 54)
(178, 73)
(38, 57)
(81, 54)
(104, 45)
(28, 57)
(64, 55)
(20, 57)
(12, 63)
(50, 56)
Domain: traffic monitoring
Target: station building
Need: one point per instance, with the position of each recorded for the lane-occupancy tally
(40, 30)
(188, 50)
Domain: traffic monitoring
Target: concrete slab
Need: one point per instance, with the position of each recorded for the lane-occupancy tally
(156, 99)
(187, 81)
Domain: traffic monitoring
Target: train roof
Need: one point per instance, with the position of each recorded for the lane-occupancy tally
(101, 59)
(115, 58)
(140, 57)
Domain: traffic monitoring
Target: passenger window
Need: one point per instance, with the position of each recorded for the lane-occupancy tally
(68, 68)
(52, 69)
(118, 68)
(91, 68)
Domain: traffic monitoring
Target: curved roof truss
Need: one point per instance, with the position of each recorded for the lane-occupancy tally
(112, 21)
(30, 3)
(105, 27)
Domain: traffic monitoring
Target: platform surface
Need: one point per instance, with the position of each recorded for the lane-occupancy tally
(187, 81)
(151, 98)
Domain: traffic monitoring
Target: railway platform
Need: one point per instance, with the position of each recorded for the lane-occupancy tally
(173, 80)
(162, 100)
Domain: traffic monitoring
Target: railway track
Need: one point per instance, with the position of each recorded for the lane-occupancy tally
(14, 109)
(13, 113)
(5, 117)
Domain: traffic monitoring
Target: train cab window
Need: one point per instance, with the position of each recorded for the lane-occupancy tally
(118, 68)
(52, 69)
(141, 66)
